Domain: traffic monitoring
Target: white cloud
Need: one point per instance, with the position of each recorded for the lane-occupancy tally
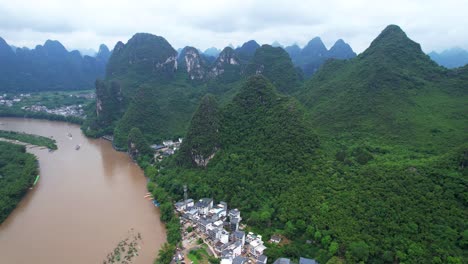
(85, 24)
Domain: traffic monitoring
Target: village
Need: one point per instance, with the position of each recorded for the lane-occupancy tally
(76, 110)
(10, 101)
(220, 229)
(70, 110)
(168, 148)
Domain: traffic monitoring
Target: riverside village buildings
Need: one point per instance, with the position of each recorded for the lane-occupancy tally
(220, 228)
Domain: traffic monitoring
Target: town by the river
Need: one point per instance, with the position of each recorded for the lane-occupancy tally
(86, 201)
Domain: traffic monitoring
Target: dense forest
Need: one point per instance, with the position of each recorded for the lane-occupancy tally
(17, 172)
(364, 162)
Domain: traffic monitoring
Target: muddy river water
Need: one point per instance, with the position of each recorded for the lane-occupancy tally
(84, 204)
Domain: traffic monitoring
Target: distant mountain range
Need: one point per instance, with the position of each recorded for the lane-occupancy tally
(49, 67)
(451, 58)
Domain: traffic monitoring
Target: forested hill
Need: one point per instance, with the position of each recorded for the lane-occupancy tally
(151, 87)
(252, 149)
(392, 91)
(371, 169)
(49, 67)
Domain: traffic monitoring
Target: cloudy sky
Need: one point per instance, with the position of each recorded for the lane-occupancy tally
(82, 24)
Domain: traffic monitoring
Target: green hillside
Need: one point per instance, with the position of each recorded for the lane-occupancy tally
(391, 93)
(256, 156)
(386, 184)
(276, 65)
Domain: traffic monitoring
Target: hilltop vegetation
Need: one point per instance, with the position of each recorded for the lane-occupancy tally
(17, 172)
(275, 64)
(368, 163)
(386, 184)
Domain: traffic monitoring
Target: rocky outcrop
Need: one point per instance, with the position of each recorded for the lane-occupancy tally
(192, 63)
(109, 101)
(227, 60)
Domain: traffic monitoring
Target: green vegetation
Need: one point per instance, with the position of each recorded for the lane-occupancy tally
(165, 254)
(18, 170)
(173, 227)
(28, 138)
(199, 256)
(202, 140)
(369, 166)
(275, 64)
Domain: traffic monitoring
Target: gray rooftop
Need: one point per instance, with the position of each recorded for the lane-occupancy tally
(262, 258)
(239, 260)
(307, 261)
(239, 234)
(282, 261)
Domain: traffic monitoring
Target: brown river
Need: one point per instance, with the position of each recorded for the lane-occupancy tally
(84, 204)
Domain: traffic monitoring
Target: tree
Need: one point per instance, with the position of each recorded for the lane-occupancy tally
(333, 248)
(165, 254)
(358, 251)
(137, 144)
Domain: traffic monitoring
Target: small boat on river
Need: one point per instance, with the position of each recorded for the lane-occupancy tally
(77, 147)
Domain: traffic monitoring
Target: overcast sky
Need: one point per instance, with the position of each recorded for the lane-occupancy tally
(82, 24)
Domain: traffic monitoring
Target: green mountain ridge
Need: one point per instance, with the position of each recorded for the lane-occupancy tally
(275, 64)
(391, 90)
(368, 163)
(370, 168)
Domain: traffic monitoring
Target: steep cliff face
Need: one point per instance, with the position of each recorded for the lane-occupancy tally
(144, 54)
(192, 63)
(227, 65)
(109, 101)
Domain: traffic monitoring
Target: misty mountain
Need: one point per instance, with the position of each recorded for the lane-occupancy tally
(213, 52)
(450, 58)
(314, 54)
(49, 67)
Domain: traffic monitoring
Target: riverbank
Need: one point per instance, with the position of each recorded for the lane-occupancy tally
(29, 139)
(18, 169)
(88, 198)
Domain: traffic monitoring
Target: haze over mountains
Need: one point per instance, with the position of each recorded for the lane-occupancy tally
(49, 67)
(451, 58)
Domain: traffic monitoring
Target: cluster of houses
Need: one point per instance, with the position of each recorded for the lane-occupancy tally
(221, 229)
(168, 148)
(70, 110)
(10, 101)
